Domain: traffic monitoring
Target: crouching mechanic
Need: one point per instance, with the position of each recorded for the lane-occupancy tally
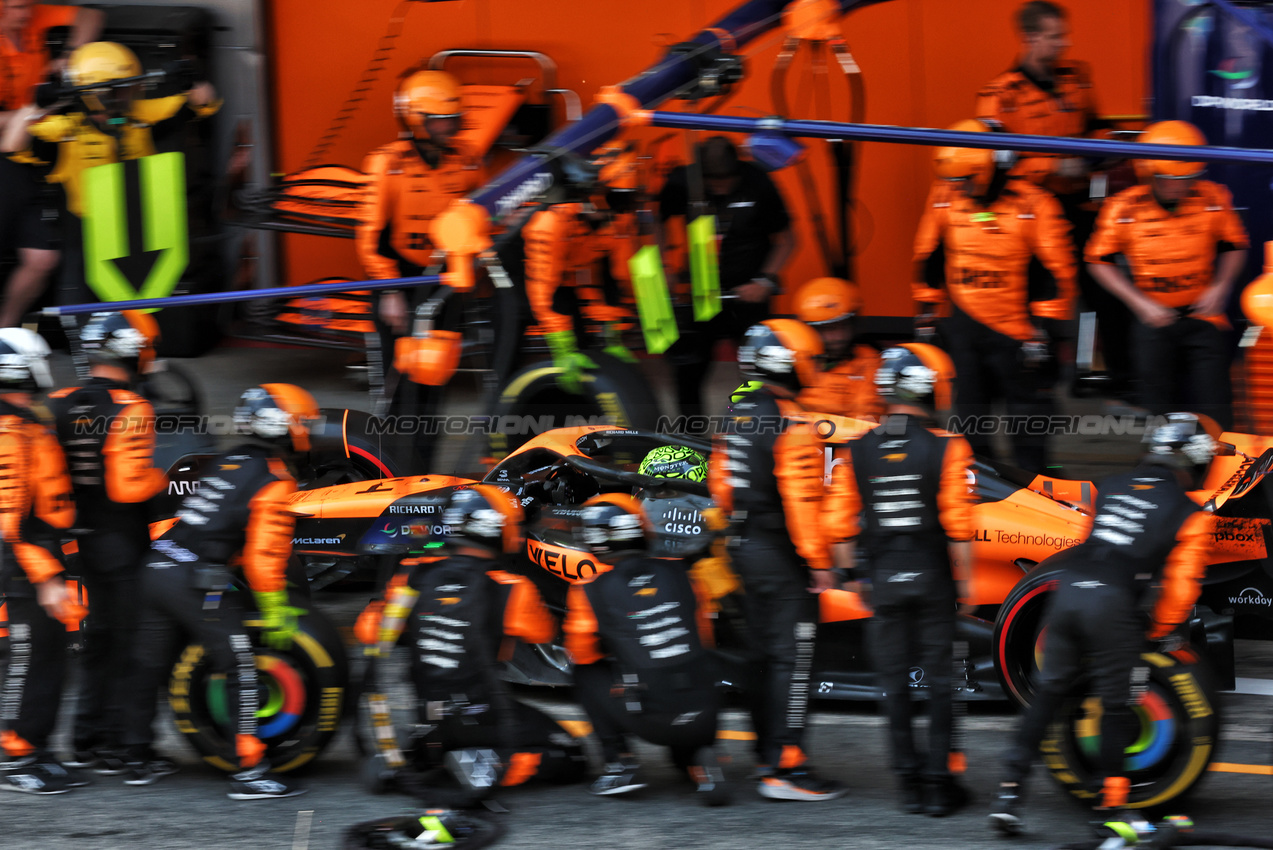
(108, 432)
(237, 516)
(905, 489)
(35, 509)
(1147, 532)
(638, 635)
(464, 624)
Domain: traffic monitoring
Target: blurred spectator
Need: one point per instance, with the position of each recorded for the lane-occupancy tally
(27, 212)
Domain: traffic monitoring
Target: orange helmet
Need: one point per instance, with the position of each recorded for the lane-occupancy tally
(782, 352)
(916, 373)
(1171, 133)
(975, 164)
(277, 413)
(426, 94)
(824, 300)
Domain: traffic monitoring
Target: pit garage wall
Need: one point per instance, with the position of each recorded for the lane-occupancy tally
(923, 61)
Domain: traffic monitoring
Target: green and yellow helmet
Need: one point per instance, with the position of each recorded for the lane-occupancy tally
(674, 462)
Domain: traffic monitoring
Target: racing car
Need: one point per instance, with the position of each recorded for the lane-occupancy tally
(361, 529)
(1021, 520)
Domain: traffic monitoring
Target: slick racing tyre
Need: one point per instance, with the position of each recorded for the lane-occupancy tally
(532, 402)
(1018, 635)
(1178, 725)
(346, 447)
(301, 698)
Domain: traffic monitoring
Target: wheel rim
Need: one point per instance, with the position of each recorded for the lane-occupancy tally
(283, 701)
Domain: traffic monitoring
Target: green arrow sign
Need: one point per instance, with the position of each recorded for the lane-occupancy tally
(135, 239)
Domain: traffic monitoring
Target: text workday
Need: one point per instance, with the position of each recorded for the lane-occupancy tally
(1250, 596)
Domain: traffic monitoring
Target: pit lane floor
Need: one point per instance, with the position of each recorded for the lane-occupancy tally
(847, 741)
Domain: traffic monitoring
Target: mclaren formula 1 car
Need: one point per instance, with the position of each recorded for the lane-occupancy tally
(357, 521)
(1021, 520)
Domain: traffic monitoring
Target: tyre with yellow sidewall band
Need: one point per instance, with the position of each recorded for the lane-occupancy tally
(1177, 723)
(301, 704)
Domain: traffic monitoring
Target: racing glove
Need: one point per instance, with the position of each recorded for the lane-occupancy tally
(614, 344)
(282, 621)
(569, 359)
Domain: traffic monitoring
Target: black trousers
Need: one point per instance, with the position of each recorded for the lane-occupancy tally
(691, 354)
(683, 731)
(528, 741)
(1092, 629)
(1184, 366)
(110, 570)
(1113, 319)
(34, 676)
(913, 630)
(782, 622)
(172, 610)
(989, 367)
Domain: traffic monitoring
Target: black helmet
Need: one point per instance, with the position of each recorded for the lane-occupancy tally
(125, 339)
(782, 352)
(1185, 441)
(612, 523)
(278, 414)
(485, 516)
(24, 366)
(916, 373)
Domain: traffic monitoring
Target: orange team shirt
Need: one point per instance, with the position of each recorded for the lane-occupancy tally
(1021, 106)
(403, 195)
(1172, 254)
(22, 65)
(559, 245)
(847, 388)
(988, 251)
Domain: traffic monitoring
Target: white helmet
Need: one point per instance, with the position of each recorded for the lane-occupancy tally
(24, 365)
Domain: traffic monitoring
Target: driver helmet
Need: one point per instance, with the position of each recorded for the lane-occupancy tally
(674, 462)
